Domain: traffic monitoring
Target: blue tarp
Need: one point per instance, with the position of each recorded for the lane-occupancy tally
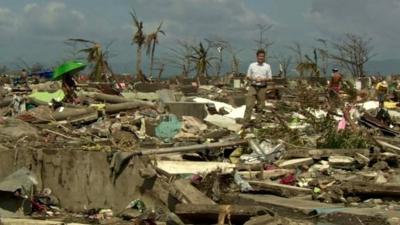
(43, 73)
(168, 128)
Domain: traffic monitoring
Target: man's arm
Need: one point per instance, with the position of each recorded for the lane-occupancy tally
(249, 74)
(269, 73)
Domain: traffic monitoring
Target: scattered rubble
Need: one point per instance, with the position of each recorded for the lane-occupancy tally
(191, 160)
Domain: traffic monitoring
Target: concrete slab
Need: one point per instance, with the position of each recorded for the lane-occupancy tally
(180, 109)
(150, 87)
(82, 179)
(238, 99)
(188, 90)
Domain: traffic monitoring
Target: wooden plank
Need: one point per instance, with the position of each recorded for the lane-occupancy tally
(299, 209)
(125, 106)
(261, 220)
(387, 145)
(324, 153)
(370, 189)
(391, 140)
(210, 214)
(265, 174)
(191, 194)
(190, 148)
(12, 221)
(293, 163)
(279, 189)
(68, 113)
(342, 162)
(84, 118)
(188, 167)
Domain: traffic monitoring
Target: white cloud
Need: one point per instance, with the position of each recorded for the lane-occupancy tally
(28, 7)
(375, 19)
(203, 18)
(7, 19)
(36, 21)
(53, 18)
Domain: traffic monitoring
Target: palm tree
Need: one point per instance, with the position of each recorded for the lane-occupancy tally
(151, 42)
(139, 38)
(220, 45)
(202, 59)
(180, 57)
(235, 62)
(97, 57)
(308, 66)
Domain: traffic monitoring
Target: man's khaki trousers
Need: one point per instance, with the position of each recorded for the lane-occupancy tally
(255, 94)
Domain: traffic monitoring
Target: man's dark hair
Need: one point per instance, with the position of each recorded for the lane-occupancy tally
(260, 51)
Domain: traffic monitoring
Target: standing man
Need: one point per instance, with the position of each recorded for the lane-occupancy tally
(258, 74)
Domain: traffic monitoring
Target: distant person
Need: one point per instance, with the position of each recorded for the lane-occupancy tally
(334, 88)
(335, 85)
(23, 79)
(381, 89)
(259, 73)
(383, 115)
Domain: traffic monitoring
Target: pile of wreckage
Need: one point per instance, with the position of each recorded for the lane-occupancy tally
(177, 153)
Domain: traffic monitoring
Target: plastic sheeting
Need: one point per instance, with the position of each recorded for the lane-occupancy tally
(47, 97)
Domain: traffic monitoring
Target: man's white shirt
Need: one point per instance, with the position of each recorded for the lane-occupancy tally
(257, 70)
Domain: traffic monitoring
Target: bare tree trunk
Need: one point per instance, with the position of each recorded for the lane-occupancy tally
(160, 72)
(204, 71)
(153, 49)
(138, 62)
(184, 71)
(219, 64)
(187, 67)
(236, 65)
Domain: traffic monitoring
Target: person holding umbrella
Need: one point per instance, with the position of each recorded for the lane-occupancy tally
(69, 88)
(66, 73)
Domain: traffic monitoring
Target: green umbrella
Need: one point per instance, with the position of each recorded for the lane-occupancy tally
(70, 67)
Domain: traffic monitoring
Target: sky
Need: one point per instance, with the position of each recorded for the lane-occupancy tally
(35, 31)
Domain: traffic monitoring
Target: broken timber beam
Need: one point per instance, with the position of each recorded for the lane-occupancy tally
(116, 108)
(387, 145)
(191, 194)
(69, 113)
(190, 148)
(324, 153)
(192, 167)
(107, 98)
(370, 189)
(293, 163)
(301, 209)
(265, 174)
(279, 189)
(27, 221)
